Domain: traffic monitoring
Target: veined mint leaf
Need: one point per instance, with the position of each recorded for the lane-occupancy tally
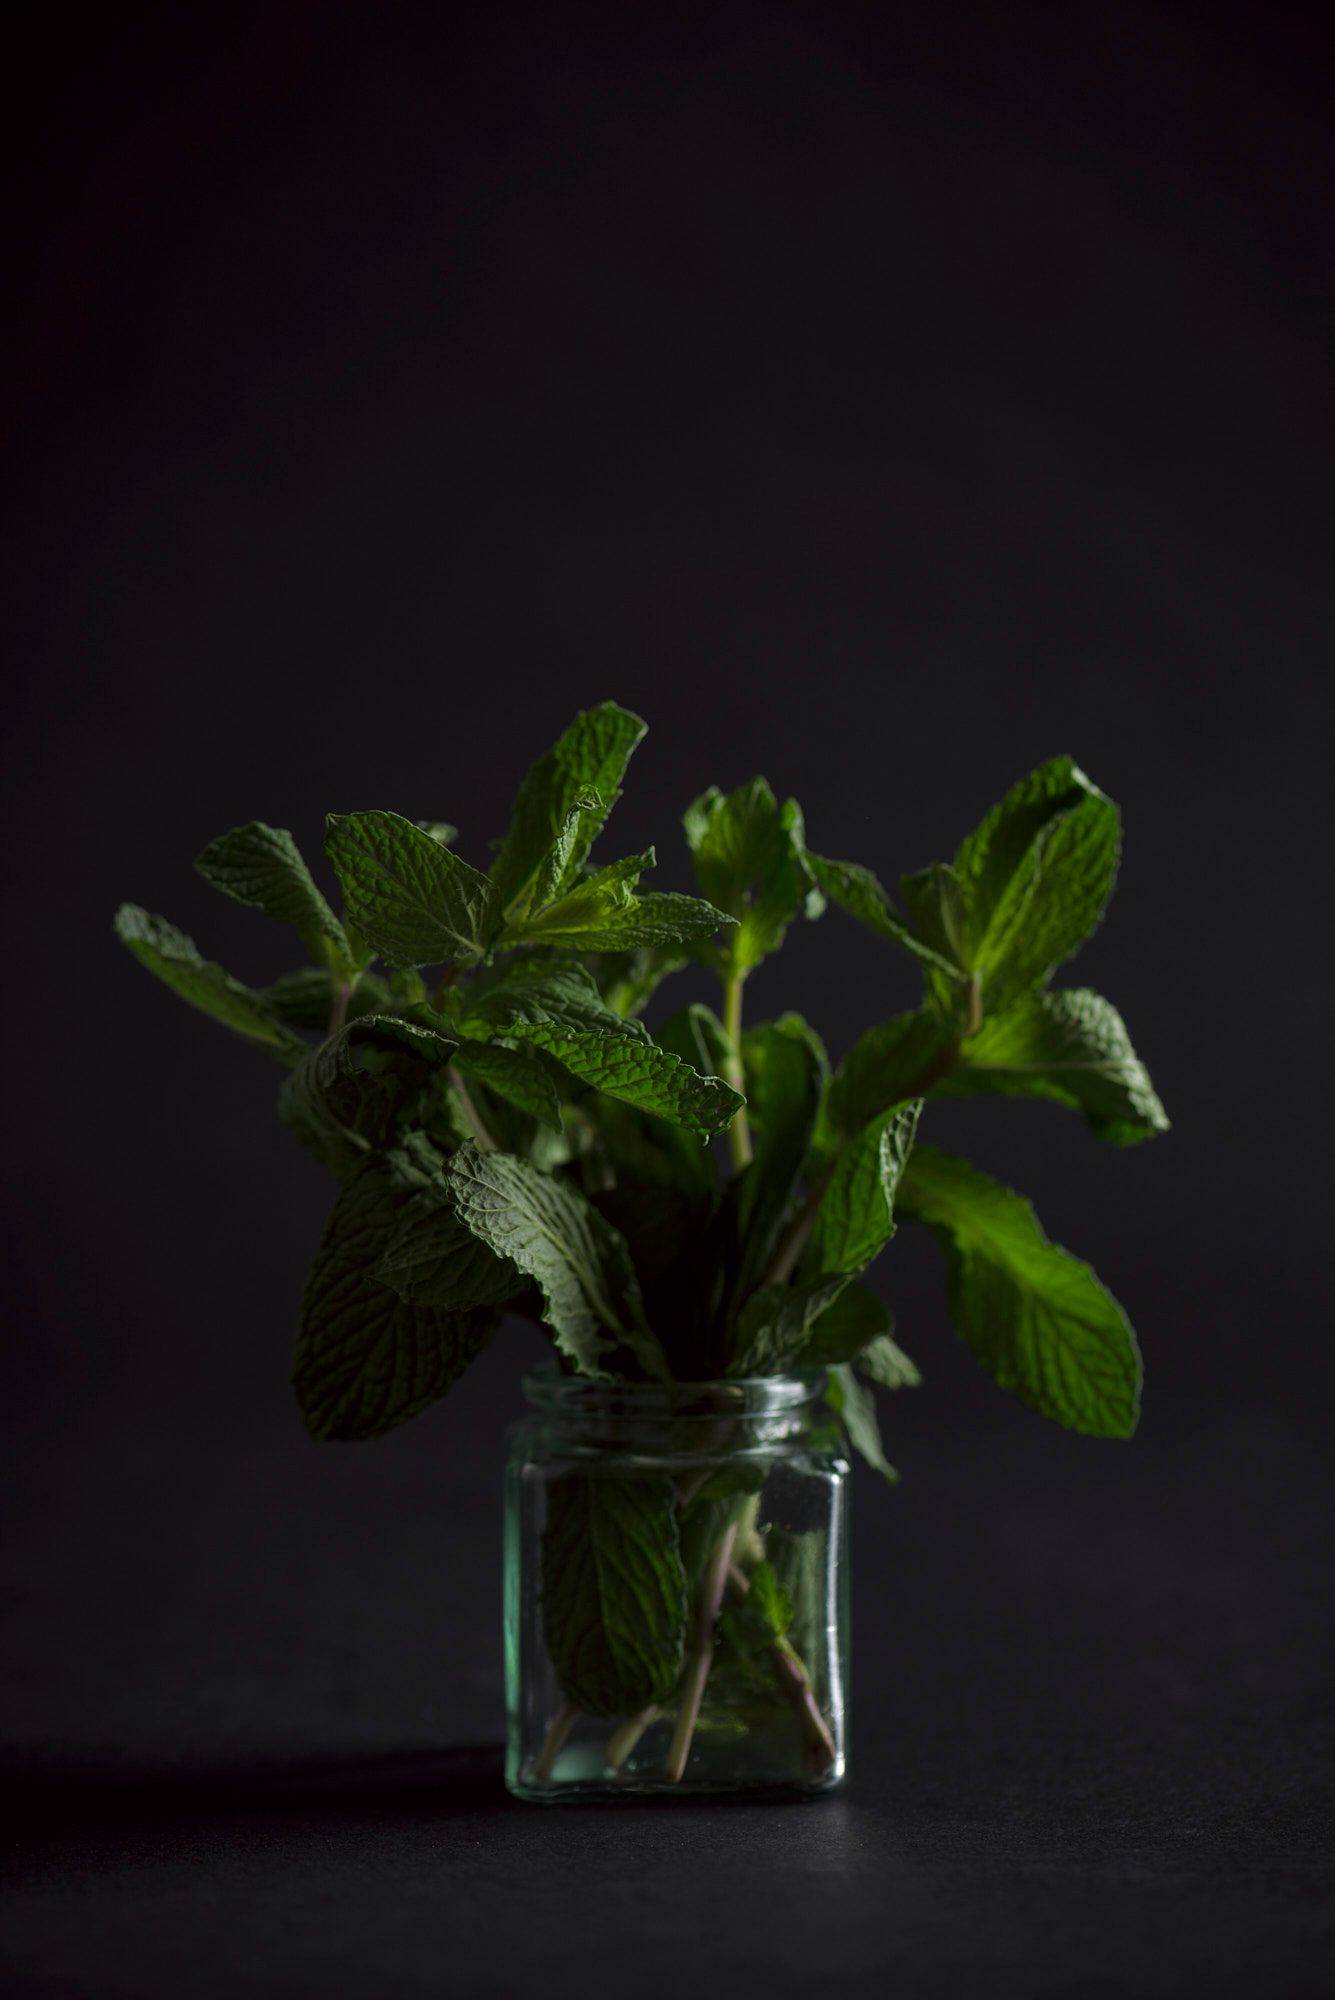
(558, 1008)
(750, 861)
(1070, 1046)
(344, 1099)
(856, 890)
(774, 1326)
(581, 1265)
(855, 1219)
(433, 1259)
(613, 1590)
(174, 959)
(262, 867)
(366, 1360)
(936, 903)
(856, 1407)
(590, 758)
(304, 999)
(629, 925)
(852, 1322)
(891, 1063)
(552, 870)
(884, 1362)
(1038, 1319)
(412, 899)
(1036, 877)
(515, 1075)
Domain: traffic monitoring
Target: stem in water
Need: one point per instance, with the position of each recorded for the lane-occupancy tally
(702, 1656)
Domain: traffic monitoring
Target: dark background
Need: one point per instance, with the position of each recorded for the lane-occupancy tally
(882, 399)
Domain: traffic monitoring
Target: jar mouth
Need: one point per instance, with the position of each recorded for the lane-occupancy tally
(740, 1396)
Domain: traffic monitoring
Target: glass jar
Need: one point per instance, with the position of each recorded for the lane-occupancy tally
(676, 1599)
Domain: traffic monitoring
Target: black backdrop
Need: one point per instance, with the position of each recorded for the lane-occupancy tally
(882, 400)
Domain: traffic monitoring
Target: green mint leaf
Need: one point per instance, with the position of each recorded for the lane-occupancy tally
(262, 867)
(345, 1099)
(749, 855)
(433, 1259)
(558, 1008)
(891, 1063)
(1037, 1318)
(581, 1265)
(774, 1326)
(936, 903)
(884, 1362)
(613, 1590)
(856, 1409)
(305, 999)
(848, 1325)
(439, 829)
(1072, 1047)
(1036, 877)
(855, 1219)
(413, 900)
(589, 760)
(638, 922)
(856, 890)
(514, 1074)
(784, 1074)
(544, 883)
(763, 1616)
(366, 1359)
(174, 959)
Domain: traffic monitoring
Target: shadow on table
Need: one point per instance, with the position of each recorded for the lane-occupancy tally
(52, 1797)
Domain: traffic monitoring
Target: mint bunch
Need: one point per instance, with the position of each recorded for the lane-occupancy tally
(464, 1051)
(508, 1136)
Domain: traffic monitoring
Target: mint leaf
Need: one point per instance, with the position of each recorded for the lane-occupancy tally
(413, 900)
(551, 1233)
(856, 890)
(515, 1075)
(763, 1616)
(558, 1008)
(434, 1259)
(855, 1219)
(262, 867)
(884, 1362)
(554, 866)
(750, 862)
(174, 959)
(304, 999)
(1036, 876)
(850, 1323)
(659, 919)
(345, 1099)
(366, 1360)
(613, 1590)
(892, 1062)
(440, 830)
(1070, 1046)
(1038, 1320)
(775, 1324)
(783, 1069)
(589, 759)
(856, 1408)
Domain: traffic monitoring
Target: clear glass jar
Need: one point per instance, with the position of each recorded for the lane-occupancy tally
(676, 1596)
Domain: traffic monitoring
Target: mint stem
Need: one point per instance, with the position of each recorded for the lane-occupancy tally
(623, 1740)
(702, 1655)
(472, 1115)
(554, 1742)
(739, 1132)
(794, 1683)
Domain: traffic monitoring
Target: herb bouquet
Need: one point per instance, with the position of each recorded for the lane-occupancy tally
(688, 1215)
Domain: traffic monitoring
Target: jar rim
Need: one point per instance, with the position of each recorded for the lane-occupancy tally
(547, 1388)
